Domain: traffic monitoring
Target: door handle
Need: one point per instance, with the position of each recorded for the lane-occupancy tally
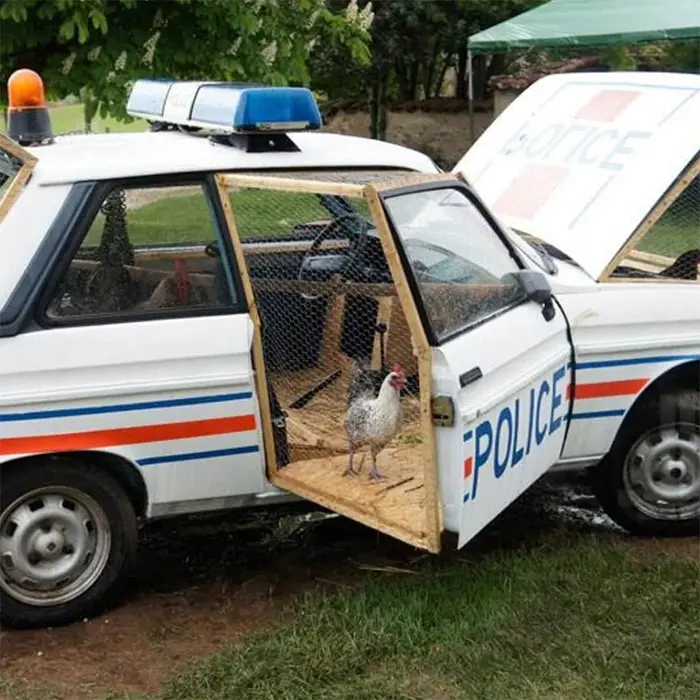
(470, 377)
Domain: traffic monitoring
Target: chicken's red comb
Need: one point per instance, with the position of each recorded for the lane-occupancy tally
(398, 368)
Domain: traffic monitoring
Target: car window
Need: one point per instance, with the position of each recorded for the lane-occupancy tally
(463, 269)
(148, 250)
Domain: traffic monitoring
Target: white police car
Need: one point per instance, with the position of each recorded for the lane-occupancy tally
(162, 292)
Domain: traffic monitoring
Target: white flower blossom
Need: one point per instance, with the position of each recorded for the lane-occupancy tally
(68, 62)
(233, 50)
(351, 10)
(366, 17)
(312, 18)
(110, 76)
(310, 45)
(269, 53)
(120, 63)
(150, 47)
(94, 53)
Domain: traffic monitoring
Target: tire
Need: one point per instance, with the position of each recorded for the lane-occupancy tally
(74, 555)
(649, 483)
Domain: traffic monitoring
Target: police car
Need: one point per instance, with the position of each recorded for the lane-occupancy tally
(148, 313)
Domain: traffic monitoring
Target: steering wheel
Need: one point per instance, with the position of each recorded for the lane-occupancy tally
(320, 268)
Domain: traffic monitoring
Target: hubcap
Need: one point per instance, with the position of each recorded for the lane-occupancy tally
(661, 474)
(54, 545)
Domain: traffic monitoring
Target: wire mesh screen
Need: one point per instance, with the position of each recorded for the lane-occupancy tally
(671, 247)
(338, 351)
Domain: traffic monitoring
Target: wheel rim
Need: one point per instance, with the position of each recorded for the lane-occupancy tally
(661, 473)
(54, 545)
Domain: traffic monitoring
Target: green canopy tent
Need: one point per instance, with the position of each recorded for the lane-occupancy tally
(587, 23)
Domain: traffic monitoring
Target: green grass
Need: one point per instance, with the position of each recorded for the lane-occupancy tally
(582, 621)
(186, 218)
(71, 118)
(671, 239)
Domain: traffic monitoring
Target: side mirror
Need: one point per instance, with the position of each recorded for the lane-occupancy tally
(537, 288)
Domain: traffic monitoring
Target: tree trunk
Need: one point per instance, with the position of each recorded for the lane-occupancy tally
(461, 82)
(430, 71)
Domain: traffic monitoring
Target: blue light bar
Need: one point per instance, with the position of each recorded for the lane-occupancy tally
(226, 107)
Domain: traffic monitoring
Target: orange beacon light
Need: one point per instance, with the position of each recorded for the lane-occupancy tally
(28, 119)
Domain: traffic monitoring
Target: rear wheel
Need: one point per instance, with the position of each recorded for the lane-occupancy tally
(68, 533)
(649, 483)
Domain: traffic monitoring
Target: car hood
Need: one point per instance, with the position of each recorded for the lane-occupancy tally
(581, 160)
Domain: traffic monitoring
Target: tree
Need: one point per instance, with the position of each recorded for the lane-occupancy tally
(103, 45)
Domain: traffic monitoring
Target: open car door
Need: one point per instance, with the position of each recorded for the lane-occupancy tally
(369, 316)
(500, 355)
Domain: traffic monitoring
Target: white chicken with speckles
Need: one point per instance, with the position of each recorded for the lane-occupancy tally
(374, 420)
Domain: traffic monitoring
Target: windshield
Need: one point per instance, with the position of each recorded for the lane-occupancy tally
(464, 271)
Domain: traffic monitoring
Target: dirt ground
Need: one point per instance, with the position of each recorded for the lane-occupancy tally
(201, 582)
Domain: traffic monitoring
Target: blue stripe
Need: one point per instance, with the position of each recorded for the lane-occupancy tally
(467, 436)
(598, 414)
(190, 456)
(636, 361)
(466, 497)
(123, 407)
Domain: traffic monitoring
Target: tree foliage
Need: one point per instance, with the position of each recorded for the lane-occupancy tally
(414, 44)
(103, 45)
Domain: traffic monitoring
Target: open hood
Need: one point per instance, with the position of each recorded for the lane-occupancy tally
(580, 160)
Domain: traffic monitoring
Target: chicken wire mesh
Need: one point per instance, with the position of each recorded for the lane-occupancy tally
(338, 350)
(671, 247)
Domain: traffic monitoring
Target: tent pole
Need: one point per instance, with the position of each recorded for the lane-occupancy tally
(470, 94)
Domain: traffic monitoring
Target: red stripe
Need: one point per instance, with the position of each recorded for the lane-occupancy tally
(607, 105)
(601, 390)
(467, 467)
(95, 439)
(530, 190)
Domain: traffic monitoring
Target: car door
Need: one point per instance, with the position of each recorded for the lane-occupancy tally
(501, 360)
(150, 344)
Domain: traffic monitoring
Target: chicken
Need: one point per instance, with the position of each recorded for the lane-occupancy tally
(373, 420)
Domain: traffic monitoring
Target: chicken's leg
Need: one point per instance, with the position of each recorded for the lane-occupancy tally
(350, 471)
(374, 475)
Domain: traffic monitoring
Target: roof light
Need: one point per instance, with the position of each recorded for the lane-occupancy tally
(28, 117)
(226, 107)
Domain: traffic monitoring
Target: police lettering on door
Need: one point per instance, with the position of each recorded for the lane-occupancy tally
(500, 444)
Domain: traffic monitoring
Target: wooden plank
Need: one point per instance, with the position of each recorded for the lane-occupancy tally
(422, 350)
(284, 184)
(659, 209)
(15, 188)
(258, 354)
(324, 288)
(16, 151)
(413, 179)
(28, 161)
(332, 328)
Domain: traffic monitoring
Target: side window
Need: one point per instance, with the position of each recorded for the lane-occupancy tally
(147, 250)
(463, 269)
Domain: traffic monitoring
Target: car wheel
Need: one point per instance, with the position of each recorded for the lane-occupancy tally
(649, 483)
(68, 533)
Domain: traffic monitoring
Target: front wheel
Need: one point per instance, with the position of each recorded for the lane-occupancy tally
(649, 483)
(68, 533)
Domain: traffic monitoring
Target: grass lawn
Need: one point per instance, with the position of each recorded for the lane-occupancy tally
(70, 118)
(583, 619)
(186, 218)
